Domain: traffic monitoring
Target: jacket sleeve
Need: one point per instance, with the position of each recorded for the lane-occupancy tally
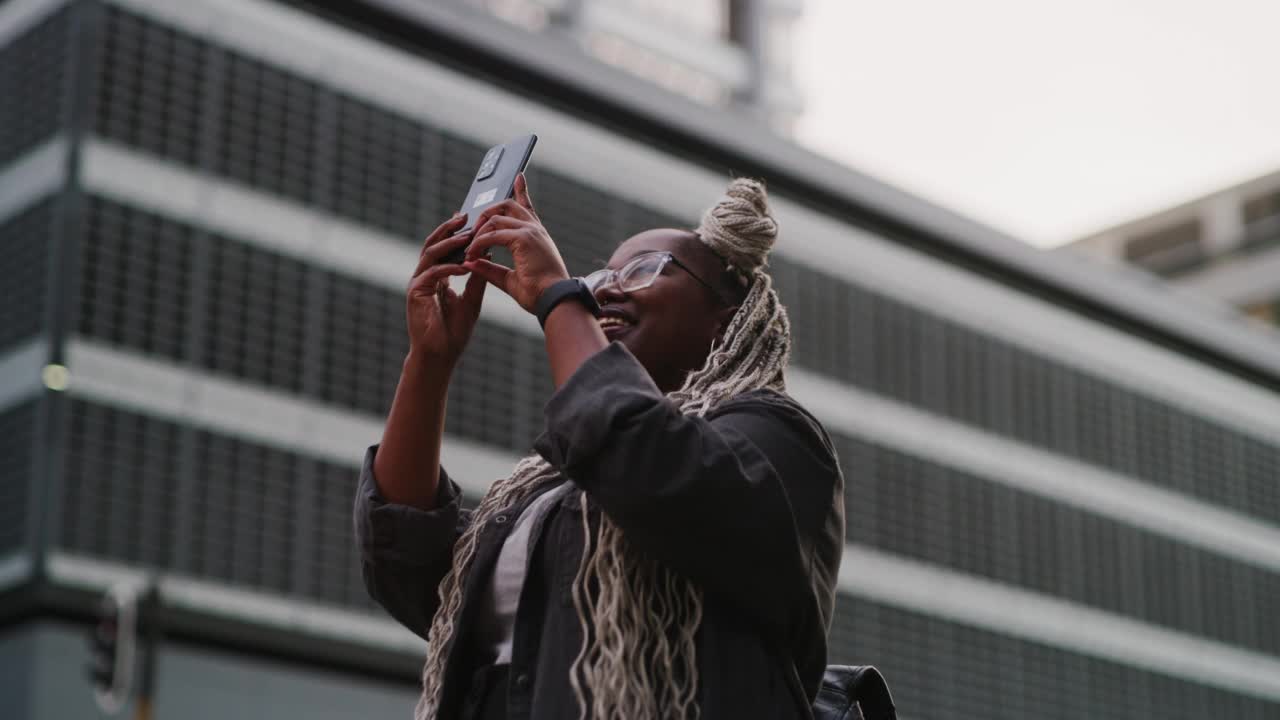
(404, 551)
(739, 501)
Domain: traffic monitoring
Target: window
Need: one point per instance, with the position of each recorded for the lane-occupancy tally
(1262, 207)
(1268, 312)
(1262, 223)
(1169, 250)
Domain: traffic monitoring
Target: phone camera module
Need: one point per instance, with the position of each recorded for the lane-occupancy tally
(490, 163)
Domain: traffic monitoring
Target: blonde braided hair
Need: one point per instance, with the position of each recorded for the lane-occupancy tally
(639, 620)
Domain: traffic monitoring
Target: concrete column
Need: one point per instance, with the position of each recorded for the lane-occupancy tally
(746, 29)
(1222, 218)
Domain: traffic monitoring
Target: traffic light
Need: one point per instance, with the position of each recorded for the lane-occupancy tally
(111, 645)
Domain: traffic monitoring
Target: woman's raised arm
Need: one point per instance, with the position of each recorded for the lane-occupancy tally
(439, 322)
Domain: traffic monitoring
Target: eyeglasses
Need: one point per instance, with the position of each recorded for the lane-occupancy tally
(640, 272)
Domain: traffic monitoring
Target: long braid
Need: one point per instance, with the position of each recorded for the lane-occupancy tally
(639, 620)
(502, 494)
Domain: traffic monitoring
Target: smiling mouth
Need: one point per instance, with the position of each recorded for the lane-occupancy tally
(612, 325)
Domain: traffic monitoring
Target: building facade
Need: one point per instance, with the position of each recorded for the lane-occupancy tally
(1225, 245)
(1061, 489)
(732, 54)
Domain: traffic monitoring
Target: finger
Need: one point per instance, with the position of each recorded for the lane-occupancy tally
(522, 194)
(504, 237)
(439, 289)
(493, 273)
(434, 280)
(473, 295)
(445, 296)
(508, 208)
(431, 255)
(429, 280)
(503, 222)
(445, 229)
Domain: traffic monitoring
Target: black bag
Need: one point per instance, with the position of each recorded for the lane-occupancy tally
(853, 692)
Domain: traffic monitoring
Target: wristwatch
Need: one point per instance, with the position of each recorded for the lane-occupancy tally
(558, 292)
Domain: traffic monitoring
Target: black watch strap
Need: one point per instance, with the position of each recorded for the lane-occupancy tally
(558, 292)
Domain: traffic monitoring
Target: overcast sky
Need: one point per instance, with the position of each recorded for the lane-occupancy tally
(1048, 120)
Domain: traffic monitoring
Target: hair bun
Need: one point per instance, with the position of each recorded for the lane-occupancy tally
(740, 227)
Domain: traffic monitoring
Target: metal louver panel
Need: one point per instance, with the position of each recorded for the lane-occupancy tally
(150, 86)
(136, 271)
(33, 76)
(916, 508)
(153, 493)
(942, 669)
(24, 261)
(17, 437)
(386, 171)
(256, 314)
(916, 358)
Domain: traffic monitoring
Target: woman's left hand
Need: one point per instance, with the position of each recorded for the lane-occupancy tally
(513, 224)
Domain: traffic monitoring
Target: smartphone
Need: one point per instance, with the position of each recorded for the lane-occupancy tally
(494, 182)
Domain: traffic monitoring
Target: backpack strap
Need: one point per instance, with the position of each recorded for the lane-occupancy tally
(854, 692)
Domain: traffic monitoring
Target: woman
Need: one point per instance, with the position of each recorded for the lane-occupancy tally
(671, 550)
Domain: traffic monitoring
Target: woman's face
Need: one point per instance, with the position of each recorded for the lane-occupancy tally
(670, 325)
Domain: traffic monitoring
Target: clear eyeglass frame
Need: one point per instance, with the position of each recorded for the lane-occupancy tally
(640, 272)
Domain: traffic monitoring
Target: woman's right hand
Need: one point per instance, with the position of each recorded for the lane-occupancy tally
(440, 320)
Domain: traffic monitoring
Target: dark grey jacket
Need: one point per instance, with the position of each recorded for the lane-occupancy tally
(746, 502)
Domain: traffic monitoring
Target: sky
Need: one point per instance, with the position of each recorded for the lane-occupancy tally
(1046, 120)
